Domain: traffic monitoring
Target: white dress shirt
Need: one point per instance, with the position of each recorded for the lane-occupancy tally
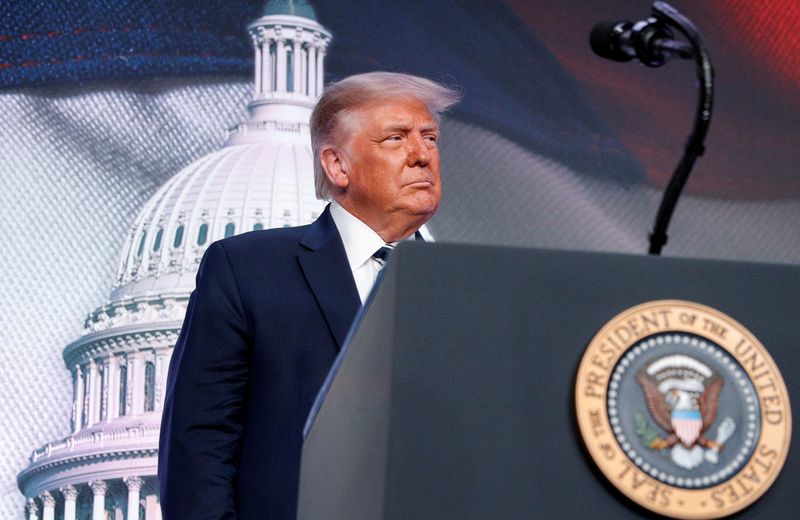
(360, 242)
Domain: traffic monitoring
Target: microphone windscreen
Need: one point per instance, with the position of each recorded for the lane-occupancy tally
(605, 40)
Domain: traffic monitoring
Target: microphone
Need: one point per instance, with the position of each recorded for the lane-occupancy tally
(648, 40)
(651, 41)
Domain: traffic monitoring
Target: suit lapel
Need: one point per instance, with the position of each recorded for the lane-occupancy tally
(327, 271)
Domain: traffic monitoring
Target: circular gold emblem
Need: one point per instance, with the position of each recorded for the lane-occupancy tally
(683, 409)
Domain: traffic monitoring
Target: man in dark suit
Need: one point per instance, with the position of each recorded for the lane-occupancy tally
(272, 308)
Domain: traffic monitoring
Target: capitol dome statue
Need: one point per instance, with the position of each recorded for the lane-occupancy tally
(261, 178)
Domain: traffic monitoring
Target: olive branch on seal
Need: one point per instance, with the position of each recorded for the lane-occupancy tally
(645, 431)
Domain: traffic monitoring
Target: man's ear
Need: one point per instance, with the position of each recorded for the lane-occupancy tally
(335, 166)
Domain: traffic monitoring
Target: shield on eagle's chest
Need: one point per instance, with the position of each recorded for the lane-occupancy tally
(687, 424)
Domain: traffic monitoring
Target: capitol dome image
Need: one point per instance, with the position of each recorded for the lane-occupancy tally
(261, 178)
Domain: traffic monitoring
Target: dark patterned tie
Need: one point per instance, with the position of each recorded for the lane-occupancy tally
(382, 254)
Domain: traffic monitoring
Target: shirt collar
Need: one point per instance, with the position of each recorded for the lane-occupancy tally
(359, 240)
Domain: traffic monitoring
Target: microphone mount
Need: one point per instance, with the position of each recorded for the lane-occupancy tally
(652, 42)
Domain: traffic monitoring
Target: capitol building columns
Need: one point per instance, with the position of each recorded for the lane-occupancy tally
(152, 511)
(320, 64)
(257, 45)
(77, 398)
(162, 370)
(136, 382)
(312, 68)
(99, 488)
(281, 64)
(70, 494)
(289, 58)
(128, 498)
(48, 506)
(91, 409)
(33, 510)
(297, 60)
(134, 487)
(110, 388)
(118, 385)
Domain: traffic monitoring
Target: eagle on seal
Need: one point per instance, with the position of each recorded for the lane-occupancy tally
(682, 395)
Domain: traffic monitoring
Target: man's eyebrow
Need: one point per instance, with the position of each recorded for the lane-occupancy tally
(399, 126)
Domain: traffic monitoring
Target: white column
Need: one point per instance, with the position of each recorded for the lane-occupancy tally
(122, 397)
(33, 510)
(152, 511)
(304, 71)
(92, 394)
(112, 388)
(49, 504)
(297, 69)
(312, 68)
(162, 369)
(104, 382)
(267, 65)
(257, 45)
(134, 487)
(70, 498)
(77, 405)
(320, 69)
(281, 66)
(99, 488)
(86, 396)
(136, 383)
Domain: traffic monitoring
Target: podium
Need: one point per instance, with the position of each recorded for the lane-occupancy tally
(454, 396)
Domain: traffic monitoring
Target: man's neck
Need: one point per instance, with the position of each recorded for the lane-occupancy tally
(388, 229)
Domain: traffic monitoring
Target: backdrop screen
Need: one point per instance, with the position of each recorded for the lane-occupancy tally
(104, 101)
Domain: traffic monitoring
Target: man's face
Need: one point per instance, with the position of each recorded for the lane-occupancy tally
(392, 162)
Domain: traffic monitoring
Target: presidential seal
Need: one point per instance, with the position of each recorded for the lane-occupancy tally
(683, 410)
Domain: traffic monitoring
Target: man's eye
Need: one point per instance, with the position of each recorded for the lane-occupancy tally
(432, 138)
(394, 138)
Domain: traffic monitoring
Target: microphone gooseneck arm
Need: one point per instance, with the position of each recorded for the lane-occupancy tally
(651, 42)
(694, 146)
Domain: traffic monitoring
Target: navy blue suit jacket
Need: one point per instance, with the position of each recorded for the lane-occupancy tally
(266, 321)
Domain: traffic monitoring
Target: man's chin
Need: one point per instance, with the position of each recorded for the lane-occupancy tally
(424, 213)
(424, 201)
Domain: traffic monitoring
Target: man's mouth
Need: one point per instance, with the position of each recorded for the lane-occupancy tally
(421, 183)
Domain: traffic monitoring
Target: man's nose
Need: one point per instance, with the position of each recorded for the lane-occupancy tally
(418, 151)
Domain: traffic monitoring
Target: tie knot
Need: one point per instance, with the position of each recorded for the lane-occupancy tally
(382, 254)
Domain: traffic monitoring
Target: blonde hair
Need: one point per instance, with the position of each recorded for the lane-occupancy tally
(341, 98)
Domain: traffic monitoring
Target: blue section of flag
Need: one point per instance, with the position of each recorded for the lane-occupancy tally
(50, 42)
(512, 84)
